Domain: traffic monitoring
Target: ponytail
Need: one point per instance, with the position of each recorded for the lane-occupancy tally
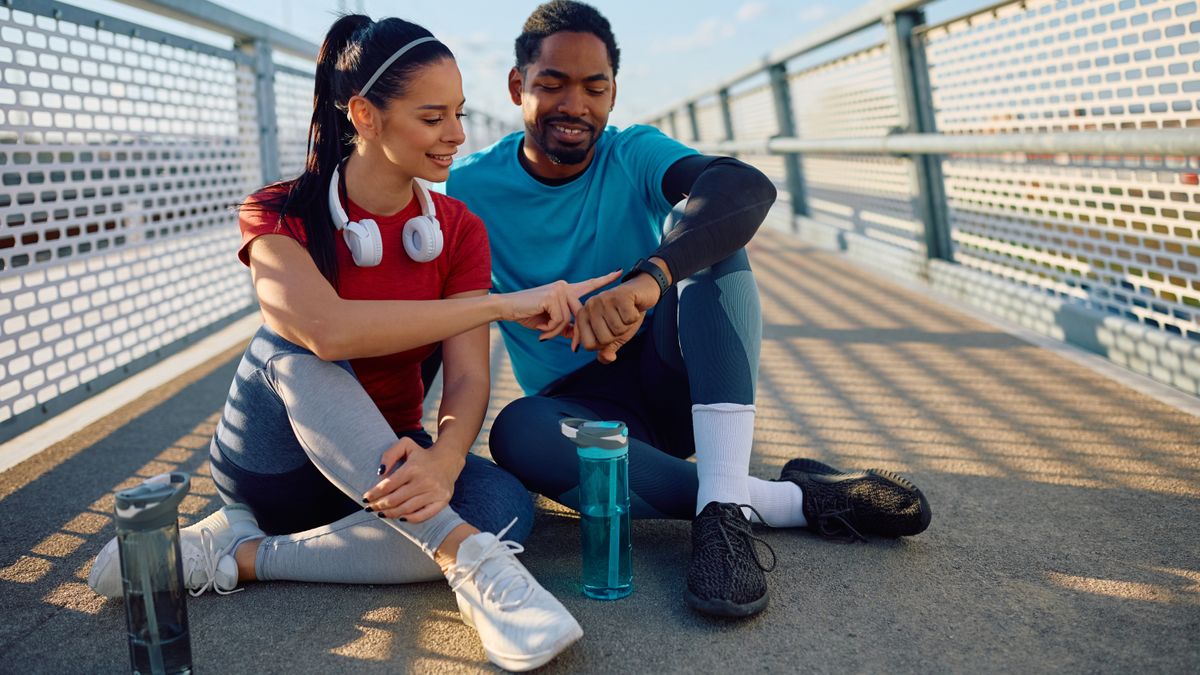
(352, 50)
(330, 140)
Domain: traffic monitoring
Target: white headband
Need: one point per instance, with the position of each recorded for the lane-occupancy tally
(392, 59)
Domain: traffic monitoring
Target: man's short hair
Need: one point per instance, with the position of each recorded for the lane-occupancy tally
(558, 16)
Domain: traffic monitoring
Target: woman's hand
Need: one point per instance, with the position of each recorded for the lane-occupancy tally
(422, 486)
(549, 308)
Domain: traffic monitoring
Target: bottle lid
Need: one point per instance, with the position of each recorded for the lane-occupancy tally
(610, 436)
(154, 503)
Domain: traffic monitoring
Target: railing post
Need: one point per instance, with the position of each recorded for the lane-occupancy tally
(268, 121)
(793, 171)
(726, 116)
(673, 124)
(695, 124)
(916, 116)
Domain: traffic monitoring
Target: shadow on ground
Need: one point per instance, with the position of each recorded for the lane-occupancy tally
(1065, 530)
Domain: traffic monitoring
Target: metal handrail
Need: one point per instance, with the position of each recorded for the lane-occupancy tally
(86, 17)
(1168, 142)
(212, 16)
(870, 14)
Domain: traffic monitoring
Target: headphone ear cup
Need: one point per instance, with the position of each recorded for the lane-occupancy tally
(423, 238)
(437, 235)
(364, 242)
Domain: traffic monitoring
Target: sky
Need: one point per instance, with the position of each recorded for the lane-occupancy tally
(670, 49)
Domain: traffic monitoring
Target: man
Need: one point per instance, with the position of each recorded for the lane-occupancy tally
(673, 349)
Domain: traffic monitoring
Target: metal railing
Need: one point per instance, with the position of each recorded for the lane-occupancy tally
(1037, 158)
(122, 151)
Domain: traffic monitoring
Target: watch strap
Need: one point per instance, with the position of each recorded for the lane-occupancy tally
(645, 266)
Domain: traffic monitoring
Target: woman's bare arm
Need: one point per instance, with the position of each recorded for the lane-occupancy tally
(299, 303)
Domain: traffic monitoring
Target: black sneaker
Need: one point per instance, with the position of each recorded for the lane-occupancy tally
(725, 577)
(845, 505)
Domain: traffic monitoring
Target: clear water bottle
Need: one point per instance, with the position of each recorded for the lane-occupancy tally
(152, 574)
(603, 449)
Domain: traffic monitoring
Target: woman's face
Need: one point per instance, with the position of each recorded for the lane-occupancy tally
(420, 132)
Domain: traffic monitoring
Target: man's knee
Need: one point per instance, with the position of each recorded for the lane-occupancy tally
(738, 261)
(513, 432)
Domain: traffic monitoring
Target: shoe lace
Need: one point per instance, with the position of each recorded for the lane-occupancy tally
(727, 525)
(205, 558)
(833, 518)
(505, 584)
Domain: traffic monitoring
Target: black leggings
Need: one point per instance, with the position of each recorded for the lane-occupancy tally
(701, 346)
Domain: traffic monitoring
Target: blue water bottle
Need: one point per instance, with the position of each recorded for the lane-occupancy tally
(603, 506)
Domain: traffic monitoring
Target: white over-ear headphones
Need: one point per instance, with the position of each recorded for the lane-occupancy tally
(422, 234)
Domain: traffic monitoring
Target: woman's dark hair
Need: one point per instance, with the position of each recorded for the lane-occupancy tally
(558, 16)
(353, 50)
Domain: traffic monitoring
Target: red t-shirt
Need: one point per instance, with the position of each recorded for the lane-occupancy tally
(394, 381)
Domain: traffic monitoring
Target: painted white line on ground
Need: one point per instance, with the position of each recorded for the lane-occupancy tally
(106, 402)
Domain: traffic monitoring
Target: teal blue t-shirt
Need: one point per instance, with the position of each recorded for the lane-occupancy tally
(604, 220)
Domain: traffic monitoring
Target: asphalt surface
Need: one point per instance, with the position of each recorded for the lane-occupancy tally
(1065, 535)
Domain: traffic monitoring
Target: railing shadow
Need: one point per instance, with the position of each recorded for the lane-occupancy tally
(1065, 518)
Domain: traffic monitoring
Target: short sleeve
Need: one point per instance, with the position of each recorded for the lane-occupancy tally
(646, 153)
(257, 217)
(471, 261)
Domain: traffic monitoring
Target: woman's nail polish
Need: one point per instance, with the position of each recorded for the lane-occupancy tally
(403, 520)
(366, 501)
(381, 515)
(380, 471)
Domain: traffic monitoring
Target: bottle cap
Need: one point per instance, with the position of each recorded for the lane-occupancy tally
(604, 440)
(154, 503)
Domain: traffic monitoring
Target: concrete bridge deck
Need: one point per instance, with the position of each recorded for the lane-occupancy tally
(1064, 538)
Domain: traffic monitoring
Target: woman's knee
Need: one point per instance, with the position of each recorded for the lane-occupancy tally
(268, 350)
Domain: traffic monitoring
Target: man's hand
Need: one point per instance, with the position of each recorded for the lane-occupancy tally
(549, 308)
(421, 487)
(610, 319)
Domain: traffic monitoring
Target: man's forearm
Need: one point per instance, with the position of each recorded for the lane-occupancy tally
(727, 203)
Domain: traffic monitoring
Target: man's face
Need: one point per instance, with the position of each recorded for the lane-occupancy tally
(565, 97)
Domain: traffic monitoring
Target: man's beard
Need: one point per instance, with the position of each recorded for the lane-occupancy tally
(559, 154)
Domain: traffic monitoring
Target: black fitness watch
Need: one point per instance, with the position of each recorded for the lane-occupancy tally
(645, 266)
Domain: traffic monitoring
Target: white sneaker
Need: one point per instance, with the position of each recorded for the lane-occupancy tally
(206, 548)
(521, 625)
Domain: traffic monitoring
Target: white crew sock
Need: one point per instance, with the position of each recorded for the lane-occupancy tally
(781, 503)
(724, 434)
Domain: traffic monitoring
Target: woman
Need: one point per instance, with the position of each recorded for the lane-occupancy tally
(327, 399)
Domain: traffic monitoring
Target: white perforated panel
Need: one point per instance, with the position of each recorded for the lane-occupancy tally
(293, 110)
(1117, 234)
(1054, 65)
(65, 325)
(753, 113)
(854, 97)
(850, 97)
(710, 122)
(120, 158)
(103, 136)
(866, 194)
